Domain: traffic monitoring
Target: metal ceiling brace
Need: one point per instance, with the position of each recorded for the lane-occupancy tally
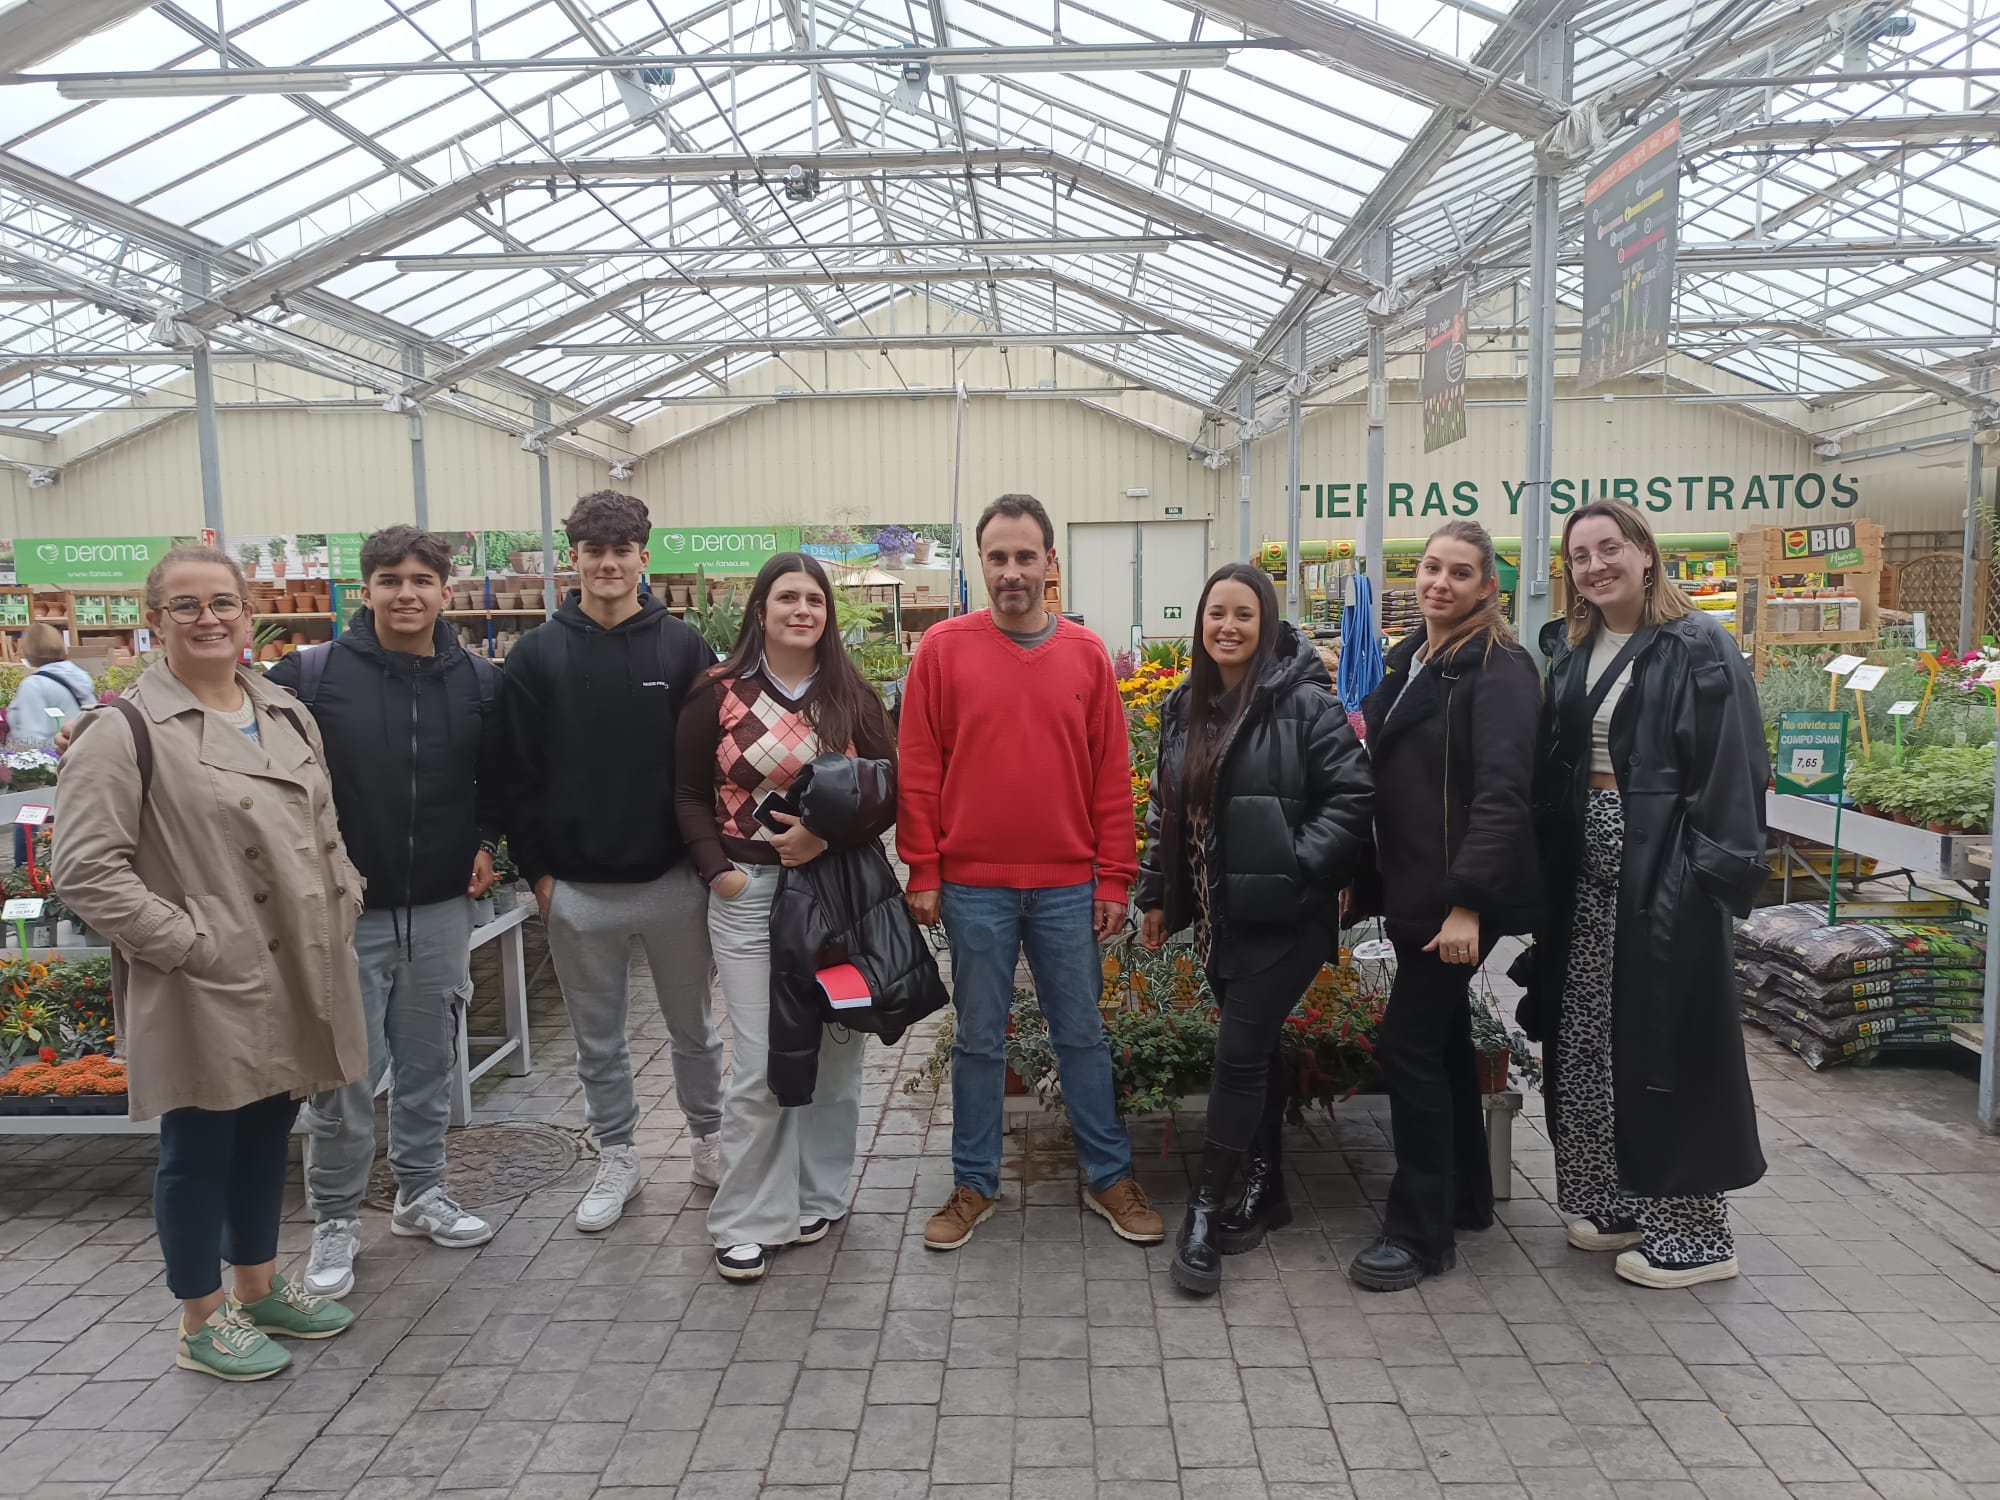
(1549, 64)
(195, 288)
(1295, 351)
(1374, 515)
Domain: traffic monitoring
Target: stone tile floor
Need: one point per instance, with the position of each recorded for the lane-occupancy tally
(1858, 1358)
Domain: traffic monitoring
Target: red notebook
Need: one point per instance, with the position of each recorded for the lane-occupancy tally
(844, 987)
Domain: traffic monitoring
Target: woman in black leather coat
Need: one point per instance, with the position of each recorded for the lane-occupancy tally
(1650, 803)
(1451, 739)
(1259, 815)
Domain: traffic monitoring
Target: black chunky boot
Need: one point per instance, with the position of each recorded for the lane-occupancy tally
(1264, 1206)
(1198, 1262)
(1386, 1266)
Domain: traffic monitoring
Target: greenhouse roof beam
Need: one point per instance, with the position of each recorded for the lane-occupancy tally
(1902, 130)
(1379, 55)
(1803, 18)
(35, 29)
(339, 251)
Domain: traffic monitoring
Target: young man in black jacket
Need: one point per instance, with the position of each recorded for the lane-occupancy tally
(589, 703)
(413, 746)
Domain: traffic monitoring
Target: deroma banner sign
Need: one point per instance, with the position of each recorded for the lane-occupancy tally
(719, 549)
(61, 562)
(1684, 494)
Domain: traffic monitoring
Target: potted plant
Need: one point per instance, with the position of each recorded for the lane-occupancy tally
(895, 544)
(93, 1084)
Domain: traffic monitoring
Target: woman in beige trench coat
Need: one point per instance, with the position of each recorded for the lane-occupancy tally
(198, 834)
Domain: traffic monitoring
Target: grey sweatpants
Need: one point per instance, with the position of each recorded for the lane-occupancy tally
(591, 929)
(414, 976)
(778, 1165)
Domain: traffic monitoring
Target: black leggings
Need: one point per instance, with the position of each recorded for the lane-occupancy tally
(219, 1192)
(1246, 1099)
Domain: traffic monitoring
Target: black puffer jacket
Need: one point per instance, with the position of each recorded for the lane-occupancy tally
(1293, 799)
(843, 908)
(1687, 743)
(1453, 752)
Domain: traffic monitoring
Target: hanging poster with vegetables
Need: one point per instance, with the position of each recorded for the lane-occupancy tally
(124, 609)
(894, 546)
(14, 609)
(521, 551)
(87, 609)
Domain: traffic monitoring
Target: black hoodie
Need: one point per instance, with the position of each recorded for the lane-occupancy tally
(588, 715)
(414, 756)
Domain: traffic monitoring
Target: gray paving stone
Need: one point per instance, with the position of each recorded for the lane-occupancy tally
(896, 1437)
(1212, 1434)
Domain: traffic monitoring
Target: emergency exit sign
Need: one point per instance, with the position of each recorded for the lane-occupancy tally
(1175, 510)
(1172, 612)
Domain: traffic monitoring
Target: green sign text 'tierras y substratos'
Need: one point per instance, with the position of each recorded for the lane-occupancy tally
(719, 549)
(64, 562)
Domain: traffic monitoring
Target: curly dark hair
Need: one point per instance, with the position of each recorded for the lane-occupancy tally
(608, 518)
(390, 546)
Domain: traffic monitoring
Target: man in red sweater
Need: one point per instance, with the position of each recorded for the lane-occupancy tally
(1015, 818)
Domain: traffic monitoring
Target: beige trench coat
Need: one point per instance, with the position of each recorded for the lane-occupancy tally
(229, 899)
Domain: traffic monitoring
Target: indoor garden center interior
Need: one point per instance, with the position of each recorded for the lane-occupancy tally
(713, 713)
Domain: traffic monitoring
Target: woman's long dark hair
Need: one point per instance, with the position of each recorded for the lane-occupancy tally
(841, 701)
(1204, 748)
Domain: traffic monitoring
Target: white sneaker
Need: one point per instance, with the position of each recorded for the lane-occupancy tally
(616, 1184)
(330, 1271)
(741, 1262)
(436, 1216)
(707, 1155)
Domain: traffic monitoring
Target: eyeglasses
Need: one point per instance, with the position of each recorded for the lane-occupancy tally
(186, 610)
(1608, 554)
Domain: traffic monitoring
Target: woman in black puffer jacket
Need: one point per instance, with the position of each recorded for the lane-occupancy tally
(1451, 739)
(1259, 815)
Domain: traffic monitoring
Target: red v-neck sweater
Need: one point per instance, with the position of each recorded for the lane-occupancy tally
(1015, 772)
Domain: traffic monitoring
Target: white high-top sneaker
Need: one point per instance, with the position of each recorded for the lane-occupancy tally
(616, 1184)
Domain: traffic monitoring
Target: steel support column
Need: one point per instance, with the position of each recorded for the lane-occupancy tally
(1295, 356)
(1246, 413)
(1374, 512)
(420, 486)
(1548, 69)
(548, 512)
(194, 291)
(1971, 560)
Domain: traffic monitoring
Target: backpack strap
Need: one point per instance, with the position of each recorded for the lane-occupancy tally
(488, 676)
(312, 670)
(65, 685)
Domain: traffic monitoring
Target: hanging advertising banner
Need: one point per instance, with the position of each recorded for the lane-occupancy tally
(719, 549)
(61, 562)
(1631, 219)
(1444, 369)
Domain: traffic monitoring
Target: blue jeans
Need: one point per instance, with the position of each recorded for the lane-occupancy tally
(988, 929)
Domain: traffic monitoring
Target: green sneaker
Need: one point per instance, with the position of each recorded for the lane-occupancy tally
(228, 1347)
(293, 1313)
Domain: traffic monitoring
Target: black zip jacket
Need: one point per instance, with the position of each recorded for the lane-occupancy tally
(1453, 751)
(843, 908)
(414, 753)
(588, 716)
(1687, 746)
(1292, 807)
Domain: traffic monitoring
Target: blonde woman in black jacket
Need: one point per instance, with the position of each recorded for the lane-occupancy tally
(1451, 738)
(1258, 818)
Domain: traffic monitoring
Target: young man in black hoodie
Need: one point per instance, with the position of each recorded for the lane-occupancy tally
(413, 746)
(589, 703)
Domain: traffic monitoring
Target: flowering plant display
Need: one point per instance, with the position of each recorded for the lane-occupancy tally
(895, 541)
(1142, 691)
(92, 1074)
(56, 1010)
(27, 770)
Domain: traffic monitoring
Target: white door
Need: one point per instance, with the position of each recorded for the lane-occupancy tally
(1173, 565)
(1098, 580)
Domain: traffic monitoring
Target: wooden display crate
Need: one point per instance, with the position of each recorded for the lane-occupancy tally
(1763, 557)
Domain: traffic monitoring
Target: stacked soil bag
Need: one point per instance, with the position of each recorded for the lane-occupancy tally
(1834, 994)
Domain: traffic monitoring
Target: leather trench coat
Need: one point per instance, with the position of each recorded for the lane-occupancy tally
(1687, 744)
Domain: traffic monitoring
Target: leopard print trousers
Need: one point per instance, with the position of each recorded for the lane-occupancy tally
(1690, 1230)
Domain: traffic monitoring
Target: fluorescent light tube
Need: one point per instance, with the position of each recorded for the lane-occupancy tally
(524, 261)
(1079, 60)
(218, 81)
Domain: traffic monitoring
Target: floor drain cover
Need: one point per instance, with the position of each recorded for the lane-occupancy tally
(491, 1164)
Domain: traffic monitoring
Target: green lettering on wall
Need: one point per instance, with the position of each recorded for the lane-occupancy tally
(1753, 493)
(1465, 498)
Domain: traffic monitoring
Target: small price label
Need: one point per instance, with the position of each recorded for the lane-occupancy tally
(1920, 630)
(1840, 666)
(32, 816)
(1864, 678)
(1374, 951)
(22, 909)
(54, 713)
(1902, 708)
(1808, 765)
(1991, 675)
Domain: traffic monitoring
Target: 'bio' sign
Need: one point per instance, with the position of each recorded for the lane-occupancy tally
(719, 549)
(1818, 541)
(61, 562)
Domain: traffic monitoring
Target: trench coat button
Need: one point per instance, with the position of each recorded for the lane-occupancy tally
(261, 897)
(246, 804)
(253, 853)
(1639, 836)
(272, 945)
(1633, 761)
(332, 845)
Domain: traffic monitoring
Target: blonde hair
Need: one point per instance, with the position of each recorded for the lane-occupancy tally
(1664, 599)
(42, 643)
(1485, 619)
(190, 552)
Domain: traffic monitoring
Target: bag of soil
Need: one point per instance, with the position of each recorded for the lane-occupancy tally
(1797, 936)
